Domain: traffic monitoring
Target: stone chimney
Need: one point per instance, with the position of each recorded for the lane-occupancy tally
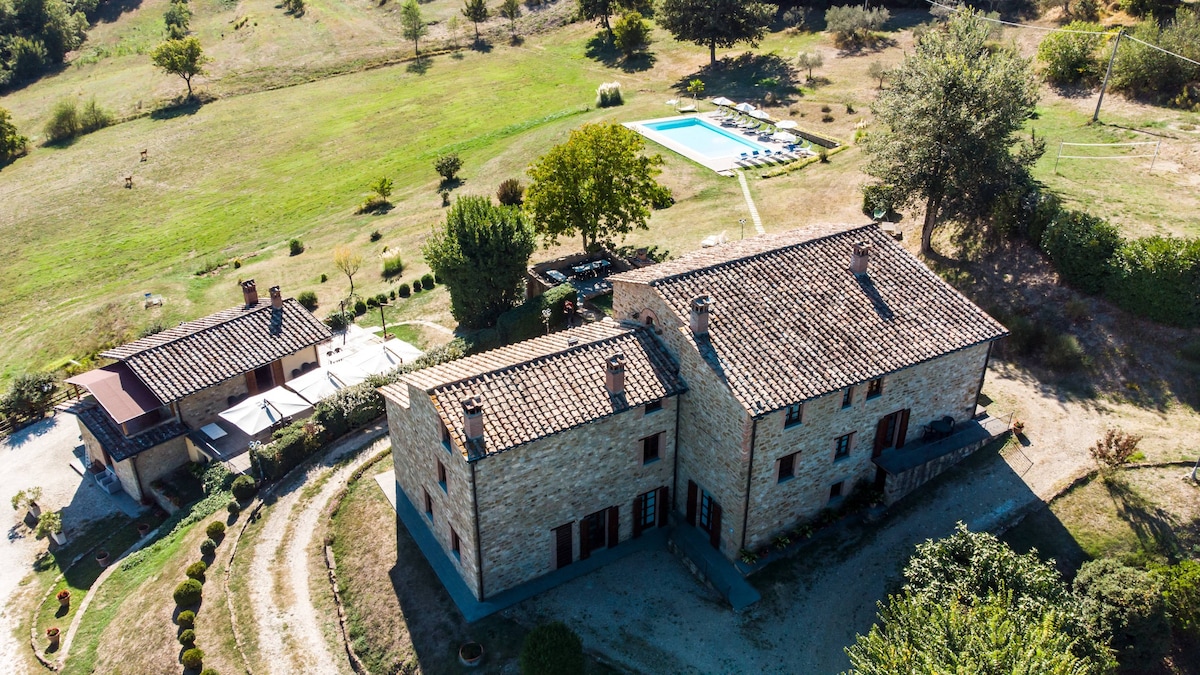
(701, 308)
(473, 418)
(614, 374)
(859, 257)
(276, 298)
(249, 292)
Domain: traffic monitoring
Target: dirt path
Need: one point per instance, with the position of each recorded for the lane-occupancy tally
(280, 564)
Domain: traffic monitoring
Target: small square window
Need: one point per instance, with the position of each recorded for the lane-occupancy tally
(428, 505)
(835, 490)
(875, 387)
(848, 397)
(842, 446)
(787, 468)
(455, 544)
(446, 437)
(795, 414)
(654, 406)
(650, 448)
(442, 475)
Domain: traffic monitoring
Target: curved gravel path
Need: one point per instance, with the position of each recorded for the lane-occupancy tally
(281, 559)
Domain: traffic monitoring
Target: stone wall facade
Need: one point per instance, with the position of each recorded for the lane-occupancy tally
(152, 464)
(203, 406)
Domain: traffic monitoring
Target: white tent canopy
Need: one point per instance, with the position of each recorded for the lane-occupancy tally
(263, 411)
(786, 124)
(316, 385)
(379, 358)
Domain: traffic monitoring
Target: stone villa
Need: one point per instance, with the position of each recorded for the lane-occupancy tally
(743, 389)
(135, 424)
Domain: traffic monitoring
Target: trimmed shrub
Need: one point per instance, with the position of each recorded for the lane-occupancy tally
(1158, 277)
(416, 285)
(208, 547)
(244, 488)
(1124, 606)
(188, 592)
(196, 570)
(511, 192)
(186, 619)
(372, 302)
(323, 278)
(187, 638)
(360, 307)
(215, 530)
(552, 649)
(448, 166)
(608, 95)
(295, 247)
(63, 123)
(403, 290)
(193, 658)
(376, 235)
(1064, 353)
(1081, 247)
(307, 300)
(631, 34)
(338, 320)
(233, 507)
(392, 294)
(427, 282)
(381, 299)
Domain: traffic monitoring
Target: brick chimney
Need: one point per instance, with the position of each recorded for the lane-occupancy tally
(701, 308)
(249, 292)
(276, 298)
(859, 257)
(614, 374)
(473, 418)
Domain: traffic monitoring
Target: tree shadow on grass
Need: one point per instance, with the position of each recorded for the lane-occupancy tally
(110, 11)
(600, 48)
(747, 77)
(1155, 528)
(172, 110)
(481, 45)
(419, 65)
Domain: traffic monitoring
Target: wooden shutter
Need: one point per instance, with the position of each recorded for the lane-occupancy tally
(714, 534)
(880, 437)
(614, 526)
(662, 506)
(638, 507)
(585, 538)
(902, 428)
(691, 503)
(562, 546)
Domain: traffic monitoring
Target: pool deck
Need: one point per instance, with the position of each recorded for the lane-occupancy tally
(723, 165)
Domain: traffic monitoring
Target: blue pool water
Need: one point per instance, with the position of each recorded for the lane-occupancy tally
(705, 139)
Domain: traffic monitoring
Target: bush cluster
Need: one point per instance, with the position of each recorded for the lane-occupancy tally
(360, 307)
(307, 300)
(67, 121)
(187, 637)
(552, 649)
(12, 143)
(1124, 606)
(37, 35)
(338, 320)
(295, 247)
(511, 192)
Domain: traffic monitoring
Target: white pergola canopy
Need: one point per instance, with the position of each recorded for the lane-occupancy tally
(263, 411)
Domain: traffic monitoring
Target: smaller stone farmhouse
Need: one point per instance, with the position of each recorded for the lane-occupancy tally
(741, 390)
(159, 388)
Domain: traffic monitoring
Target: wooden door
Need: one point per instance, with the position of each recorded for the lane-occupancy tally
(880, 438)
(639, 513)
(902, 428)
(614, 526)
(661, 505)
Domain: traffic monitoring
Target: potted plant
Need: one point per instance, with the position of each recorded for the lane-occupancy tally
(1018, 426)
(50, 525)
(143, 529)
(27, 499)
(52, 634)
(64, 598)
(781, 541)
(102, 558)
(748, 556)
(470, 654)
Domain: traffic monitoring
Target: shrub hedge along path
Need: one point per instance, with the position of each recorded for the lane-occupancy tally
(279, 561)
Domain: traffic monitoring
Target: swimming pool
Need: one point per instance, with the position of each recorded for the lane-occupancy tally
(701, 141)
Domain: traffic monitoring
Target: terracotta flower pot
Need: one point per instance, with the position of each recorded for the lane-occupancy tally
(64, 598)
(52, 634)
(470, 654)
(143, 529)
(102, 558)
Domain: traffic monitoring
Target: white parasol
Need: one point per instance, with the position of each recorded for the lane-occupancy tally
(786, 124)
(265, 410)
(760, 115)
(721, 100)
(316, 385)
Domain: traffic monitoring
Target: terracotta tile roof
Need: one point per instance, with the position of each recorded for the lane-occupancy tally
(546, 385)
(198, 354)
(790, 322)
(115, 443)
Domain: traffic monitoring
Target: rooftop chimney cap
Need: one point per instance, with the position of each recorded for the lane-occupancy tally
(614, 374)
(276, 297)
(249, 292)
(701, 308)
(473, 417)
(860, 256)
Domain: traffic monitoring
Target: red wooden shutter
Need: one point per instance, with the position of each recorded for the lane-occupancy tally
(880, 437)
(663, 506)
(902, 428)
(714, 534)
(585, 538)
(691, 503)
(562, 536)
(614, 526)
(638, 508)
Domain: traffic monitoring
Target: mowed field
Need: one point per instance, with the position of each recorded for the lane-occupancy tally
(271, 160)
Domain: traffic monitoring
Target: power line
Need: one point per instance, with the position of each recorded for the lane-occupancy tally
(1128, 36)
(1020, 25)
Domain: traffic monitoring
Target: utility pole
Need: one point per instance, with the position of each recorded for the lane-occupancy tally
(1107, 73)
(383, 320)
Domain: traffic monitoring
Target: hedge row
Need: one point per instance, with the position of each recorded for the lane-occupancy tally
(525, 320)
(332, 418)
(1155, 277)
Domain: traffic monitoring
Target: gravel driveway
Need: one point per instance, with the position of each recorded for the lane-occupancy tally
(40, 455)
(649, 615)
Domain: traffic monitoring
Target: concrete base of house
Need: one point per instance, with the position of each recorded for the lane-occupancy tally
(916, 464)
(473, 609)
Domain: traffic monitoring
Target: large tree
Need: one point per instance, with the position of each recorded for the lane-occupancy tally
(949, 123)
(596, 185)
(971, 604)
(412, 24)
(716, 23)
(184, 58)
(481, 254)
(12, 143)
